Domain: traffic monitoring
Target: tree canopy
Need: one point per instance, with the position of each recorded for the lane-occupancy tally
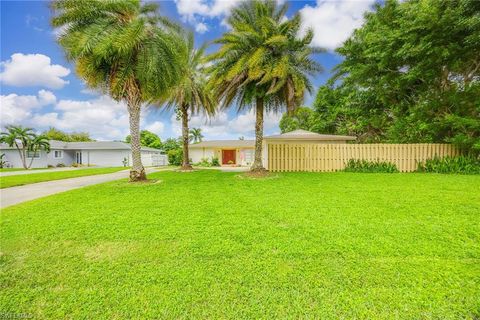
(55, 134)
(147, 139)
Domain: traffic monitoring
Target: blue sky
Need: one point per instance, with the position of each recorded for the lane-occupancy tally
(39, 88)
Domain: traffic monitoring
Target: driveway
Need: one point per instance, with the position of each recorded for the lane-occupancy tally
(15, 195)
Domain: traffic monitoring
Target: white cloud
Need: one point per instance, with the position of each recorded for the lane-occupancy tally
(156, 127)
(17, 108)
(334, 21)
(223, 127)
(24, 70)
(201, 27)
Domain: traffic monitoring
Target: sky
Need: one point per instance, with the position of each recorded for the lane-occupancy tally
(39, 87)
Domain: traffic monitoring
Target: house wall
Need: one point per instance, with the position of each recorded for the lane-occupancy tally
(104, 158)
(67, 158)
(14, 160)
(197, 154)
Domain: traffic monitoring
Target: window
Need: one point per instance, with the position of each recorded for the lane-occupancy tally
(31, 154)
(58, 154)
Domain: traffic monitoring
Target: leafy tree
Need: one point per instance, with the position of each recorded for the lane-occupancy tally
(411, 73)
(196, 135)
(25, 141)
(302, 118)
(55, 134)
(171, 144)
(147, 139)
(124, 48)
(191, 94)
(262, 63)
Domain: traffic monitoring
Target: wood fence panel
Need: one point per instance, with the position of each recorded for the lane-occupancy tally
(333, 157)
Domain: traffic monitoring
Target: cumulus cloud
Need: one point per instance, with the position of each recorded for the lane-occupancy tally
(156, 127)
(201, 27)
(18, 108)
(224, 127)
(334, 21)
(192, 10)
(23, 70)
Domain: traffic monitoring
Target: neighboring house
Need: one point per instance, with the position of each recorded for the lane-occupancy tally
(241, 152)
(96, 153)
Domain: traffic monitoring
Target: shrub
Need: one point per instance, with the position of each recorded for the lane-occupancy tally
(215, 162)
(175, 157)
(60, 165)
(204, 163)
(460, 164)
(354, 165)
(50, 166)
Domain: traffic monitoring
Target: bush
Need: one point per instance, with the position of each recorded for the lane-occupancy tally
(215, 162)
(175, 157)
(460, 164)
(60, 165)
(204, 163)
(354, 165)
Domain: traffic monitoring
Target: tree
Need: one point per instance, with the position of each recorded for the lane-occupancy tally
(302, 118)
(55, 134)
(191, 94)
(147, 139)
(262, 63)
(25, 141)
(411, 73)
(196, 135)
(123, 48)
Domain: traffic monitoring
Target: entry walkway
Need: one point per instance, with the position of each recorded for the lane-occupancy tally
(15, 195)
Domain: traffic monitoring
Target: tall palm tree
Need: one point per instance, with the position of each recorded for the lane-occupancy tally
(24, 140)
(262, 62)
(196, 135)
(191, 94)
(123, 48)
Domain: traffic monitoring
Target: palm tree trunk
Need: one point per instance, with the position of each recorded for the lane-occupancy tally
(22, 155)
(137, 172)
(31, 160)
(257, 163)
(186, 161)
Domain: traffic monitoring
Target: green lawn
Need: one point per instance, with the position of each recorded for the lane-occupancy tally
(212, 245)
(20, 169)
(22, 179)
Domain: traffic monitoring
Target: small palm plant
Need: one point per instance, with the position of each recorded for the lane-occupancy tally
(25, 141)
(263, 63)
(124, 49)
(191, 94)
(196, 135)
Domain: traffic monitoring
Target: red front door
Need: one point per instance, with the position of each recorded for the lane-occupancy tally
(228, 156)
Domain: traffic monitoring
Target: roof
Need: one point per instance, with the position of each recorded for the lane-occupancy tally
(224, 143)
(308, 135)
(90, 145)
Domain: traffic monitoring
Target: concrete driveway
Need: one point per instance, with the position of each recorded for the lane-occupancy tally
(15, 195)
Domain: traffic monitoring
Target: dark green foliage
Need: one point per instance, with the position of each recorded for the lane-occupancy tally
(460, 164)
(148, 139)
(175, 156)
(302, 118)
(55, 134)
(411, 73)
(354, 165)
(215, 162)
(170, 144)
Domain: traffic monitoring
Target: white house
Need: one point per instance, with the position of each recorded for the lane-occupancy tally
(95, 153)
(241, 152)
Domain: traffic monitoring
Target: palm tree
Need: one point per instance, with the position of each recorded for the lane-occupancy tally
(123, 48)
(191, 94)
(24, 140)
(262, 62)
(196, 135)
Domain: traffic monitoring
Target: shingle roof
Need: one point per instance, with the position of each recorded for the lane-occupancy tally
(307, 135)
(224, 143)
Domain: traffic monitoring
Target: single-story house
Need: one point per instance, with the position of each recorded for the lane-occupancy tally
(241, 152)
(95, 153)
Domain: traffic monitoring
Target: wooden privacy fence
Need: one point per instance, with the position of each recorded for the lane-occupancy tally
(333, 157)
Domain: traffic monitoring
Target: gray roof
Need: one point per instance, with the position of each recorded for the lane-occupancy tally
(307, 135)
(91, 145)
(224, 143)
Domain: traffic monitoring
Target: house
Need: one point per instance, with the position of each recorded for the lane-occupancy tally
(241, 152)
(95, 153)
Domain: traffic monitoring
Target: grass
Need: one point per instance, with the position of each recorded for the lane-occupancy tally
(19, 180)
(20, 169)
(212, 245)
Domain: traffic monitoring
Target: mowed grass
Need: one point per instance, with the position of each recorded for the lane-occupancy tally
(213, 245)
(22, 179)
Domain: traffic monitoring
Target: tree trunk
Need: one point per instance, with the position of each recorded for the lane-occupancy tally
(186, 161)
(137, 172)
(257, 163)
(31, 160)
(22, 155)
